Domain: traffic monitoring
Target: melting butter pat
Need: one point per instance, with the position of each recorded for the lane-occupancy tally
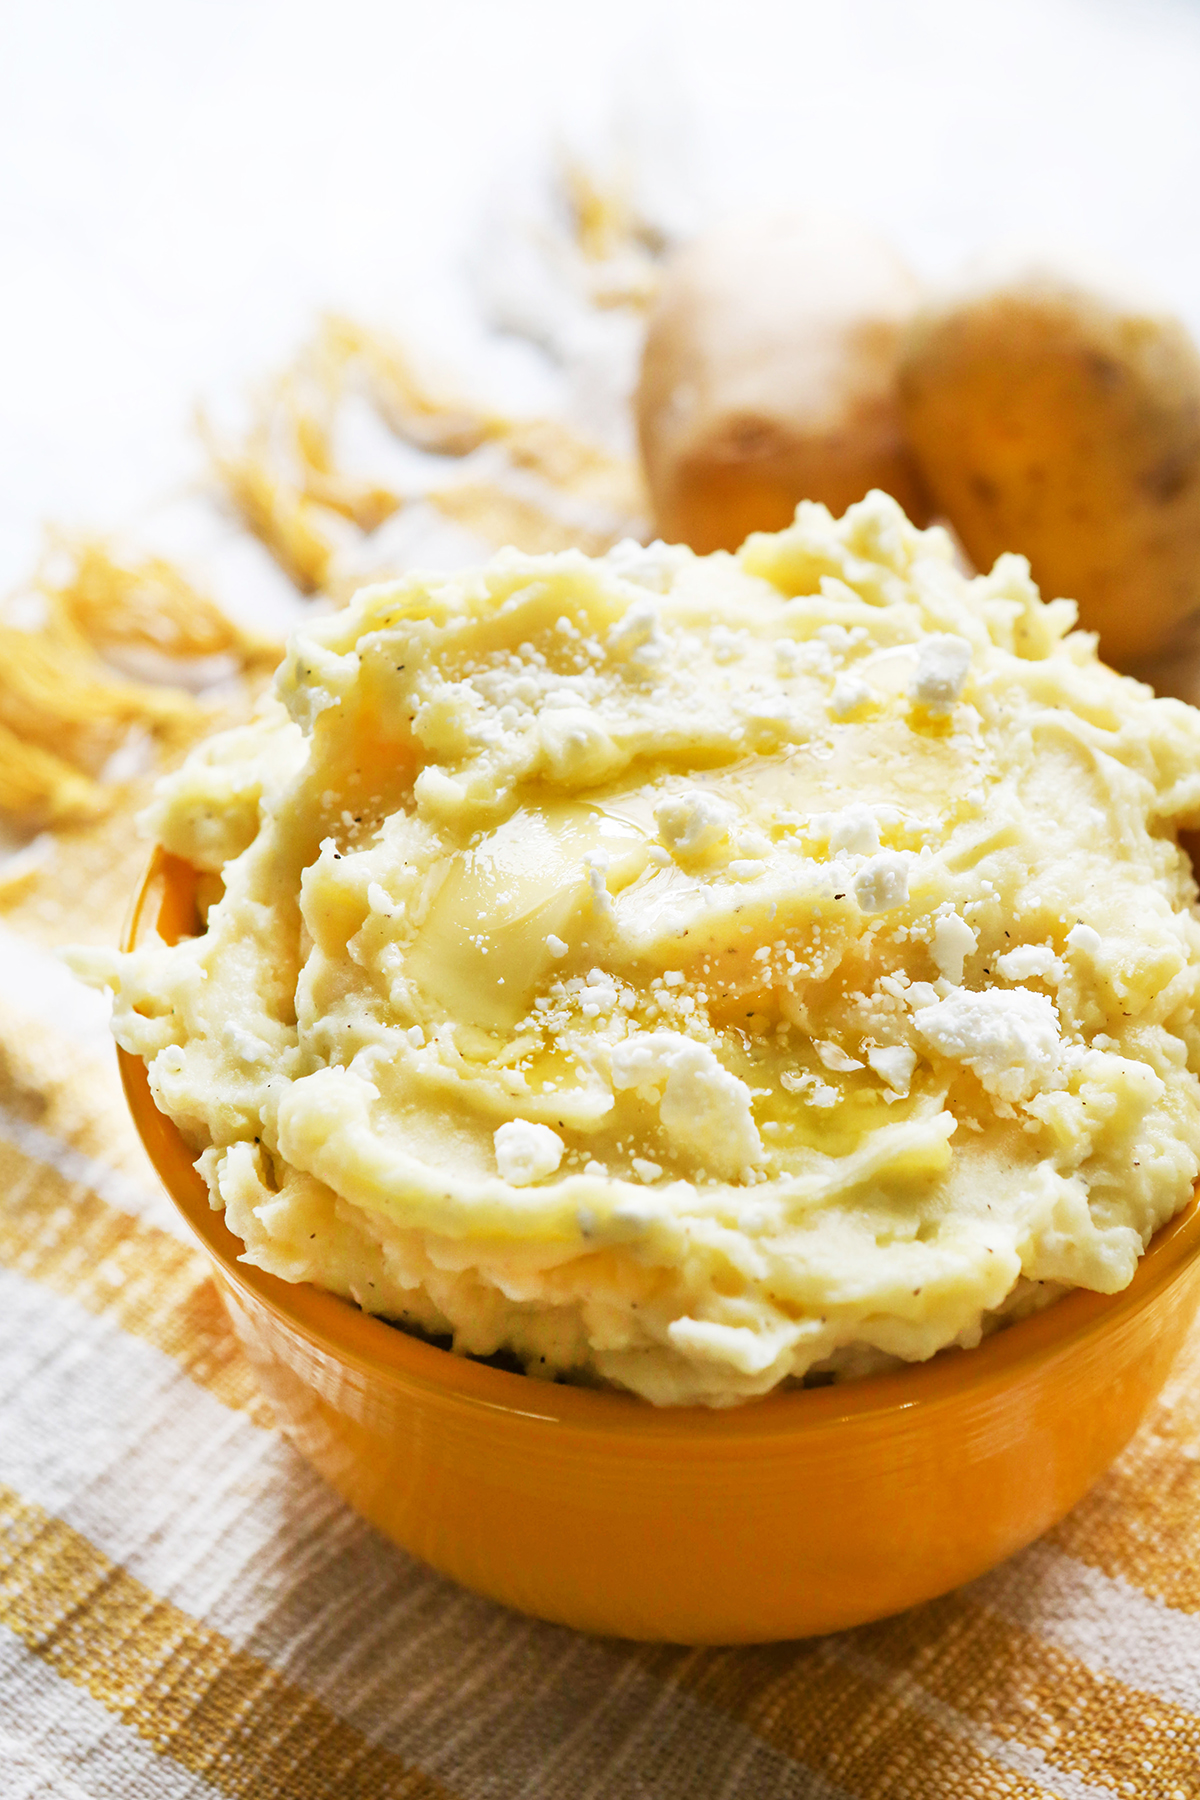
(508, 908)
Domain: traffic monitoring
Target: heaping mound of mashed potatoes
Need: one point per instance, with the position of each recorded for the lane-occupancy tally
(691, 973)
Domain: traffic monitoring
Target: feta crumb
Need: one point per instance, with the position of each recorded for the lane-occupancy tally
(599, 995)
(895, 1064)
(1030, 960)
(1009, 1038)
(526, 1152)
(855, 829)
(645, 1170)
(693, 821)
(555, 945)
(596, 865)
(415, 1036)
(849, 693)
(594, 1168)
(705, 1111)
(652, 566)
(1085, 938)
(953, 942)
(882, 883)
(835, 1058)
(638, 635)
(941, 672)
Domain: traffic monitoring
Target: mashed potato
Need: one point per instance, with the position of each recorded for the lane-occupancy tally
(686, 972)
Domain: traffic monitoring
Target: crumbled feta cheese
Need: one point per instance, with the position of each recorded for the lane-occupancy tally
(882, 883)
(652, 566)
(705, 1111)
(639, 635)
(693, 821)
(1030, 960)
(526, 1152)
(415, 1036)
(849, 693)
(555, 945)
(835, 1058)
(953, 942)
(895, 1064)
(854, 829)
(598, 996)
(941, 672)
(645, 1170)
(595, 865)
(1086, 939)
(1008, 1037)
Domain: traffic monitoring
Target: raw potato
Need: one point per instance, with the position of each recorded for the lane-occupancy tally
(769, 377)
(1056, 419)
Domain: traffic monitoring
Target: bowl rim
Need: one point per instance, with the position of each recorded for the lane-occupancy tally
(335, 1328)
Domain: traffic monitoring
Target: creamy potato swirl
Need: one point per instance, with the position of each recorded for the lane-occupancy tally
(688, 972)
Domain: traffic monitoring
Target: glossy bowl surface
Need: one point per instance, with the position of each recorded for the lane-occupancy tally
(804, 1512)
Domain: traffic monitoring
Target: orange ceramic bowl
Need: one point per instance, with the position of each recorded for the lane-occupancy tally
(805, 1512)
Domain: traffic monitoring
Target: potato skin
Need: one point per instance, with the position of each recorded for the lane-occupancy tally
(769, 377)
(1054, 419)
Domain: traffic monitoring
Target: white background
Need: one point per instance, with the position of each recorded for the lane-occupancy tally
(184, 183)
